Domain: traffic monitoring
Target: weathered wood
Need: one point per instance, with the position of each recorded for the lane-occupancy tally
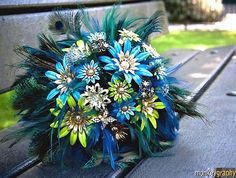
(201, 146)
(45, 3)
(206, 66)
(189, 67)
(180, 55)
(10, 157)
(22, 29)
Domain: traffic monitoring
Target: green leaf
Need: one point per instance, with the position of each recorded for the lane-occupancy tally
(155, 114)
(59, 103)
(159, 105)
(142, 124)
(139, 108)
(81, 102)
(153, 121)
(54, 111)
(71, 102)
(64, 132)
(111, 84)
(82, 138)
(54, 125)
(73, 138)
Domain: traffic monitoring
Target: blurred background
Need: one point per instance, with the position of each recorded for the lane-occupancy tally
(195, 24)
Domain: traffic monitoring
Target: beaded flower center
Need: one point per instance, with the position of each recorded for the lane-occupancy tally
(75, 122)
(124, 109)
(121, 90)
(126, 62)
(90, 72)
(125, 65)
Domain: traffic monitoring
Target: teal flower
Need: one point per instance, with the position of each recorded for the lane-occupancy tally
(121, 91)
(123, 110)
(75, 122)
(89, 72)
(127, 62)
(63, 80)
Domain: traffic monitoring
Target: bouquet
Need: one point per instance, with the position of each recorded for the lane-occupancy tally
(101, 92)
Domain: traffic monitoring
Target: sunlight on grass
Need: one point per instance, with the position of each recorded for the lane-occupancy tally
(7, 113)
(194, 40)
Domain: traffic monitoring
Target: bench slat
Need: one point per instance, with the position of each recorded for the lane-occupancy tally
(202, 146)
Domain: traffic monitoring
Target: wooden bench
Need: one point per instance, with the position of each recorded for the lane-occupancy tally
(200, 68)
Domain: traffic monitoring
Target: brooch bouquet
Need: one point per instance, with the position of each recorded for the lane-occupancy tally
(100, 92)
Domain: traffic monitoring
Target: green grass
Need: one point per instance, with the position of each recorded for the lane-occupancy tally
(183, 39)
(194, 40)
(7, 113)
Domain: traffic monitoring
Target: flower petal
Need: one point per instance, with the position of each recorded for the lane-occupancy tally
(153, 121)
(105, 59)
(52, 93)
(60, 68)
(65, 62)
(135, 51)
(127, 46)
(144, 72)
(76, 95)
(63, 98)
(142, 56)
(73, 138)
(137, 79)
(117, 47)
(52, 75)
(113, 52)
(110, 67)
(64, 132)
(128, 77)
(82, 139)
(71, 102)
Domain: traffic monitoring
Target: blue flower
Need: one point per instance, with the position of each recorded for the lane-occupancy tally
(89, 72)
(63, 79)
(127, 62)
(124, 110)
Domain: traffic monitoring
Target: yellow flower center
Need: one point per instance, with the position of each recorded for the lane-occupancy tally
(125, 65)
(90, 72)
(125, 108)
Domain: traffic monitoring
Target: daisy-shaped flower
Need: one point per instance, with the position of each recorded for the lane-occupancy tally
(103, 118)
(97, 42)
(89, 72)
(120, 90)
(63, 79)
(127, 62)
(152, 51)
(77, 51)
(126, 34)
(146, 89)
(96, 97)
(74, 123)
(120, 132)
(124, 110)
(160, 72)
(149, 107)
